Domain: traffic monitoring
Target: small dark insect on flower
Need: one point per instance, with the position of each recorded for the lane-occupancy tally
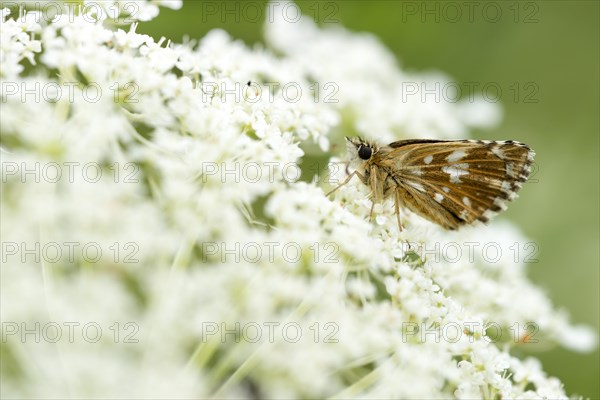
(449, 182)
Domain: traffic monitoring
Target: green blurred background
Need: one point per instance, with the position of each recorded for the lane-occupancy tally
(549, 50)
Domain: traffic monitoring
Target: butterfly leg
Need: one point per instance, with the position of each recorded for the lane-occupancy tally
(397, 208)
(371, 212)
(361, 176)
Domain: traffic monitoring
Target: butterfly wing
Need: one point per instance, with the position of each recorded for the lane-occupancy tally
(456, 182)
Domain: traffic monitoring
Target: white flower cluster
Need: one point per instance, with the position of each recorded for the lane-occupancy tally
(157, 241)
(16, 43)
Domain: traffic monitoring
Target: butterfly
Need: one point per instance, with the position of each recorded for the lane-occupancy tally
(449, 182)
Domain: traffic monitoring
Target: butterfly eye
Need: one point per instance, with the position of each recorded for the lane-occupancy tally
(364, 152)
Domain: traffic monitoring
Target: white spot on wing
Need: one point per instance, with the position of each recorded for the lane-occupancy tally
(445, 189)
(456, 155)
(510, 170)
(463, 215)
(416, 185)
(489, 214)
(466, 201)
(428, 159)
(416, 171)
(455, 171)
(438, 197)
(498, 151)
(500, 203)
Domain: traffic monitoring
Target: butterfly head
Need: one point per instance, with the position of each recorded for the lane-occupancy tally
(361, 149)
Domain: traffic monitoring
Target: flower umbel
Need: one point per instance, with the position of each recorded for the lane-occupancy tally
(166, 235)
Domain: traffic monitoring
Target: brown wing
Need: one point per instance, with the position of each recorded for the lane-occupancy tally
(453, 183)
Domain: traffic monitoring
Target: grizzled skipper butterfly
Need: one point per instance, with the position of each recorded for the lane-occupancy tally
(450, 182)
